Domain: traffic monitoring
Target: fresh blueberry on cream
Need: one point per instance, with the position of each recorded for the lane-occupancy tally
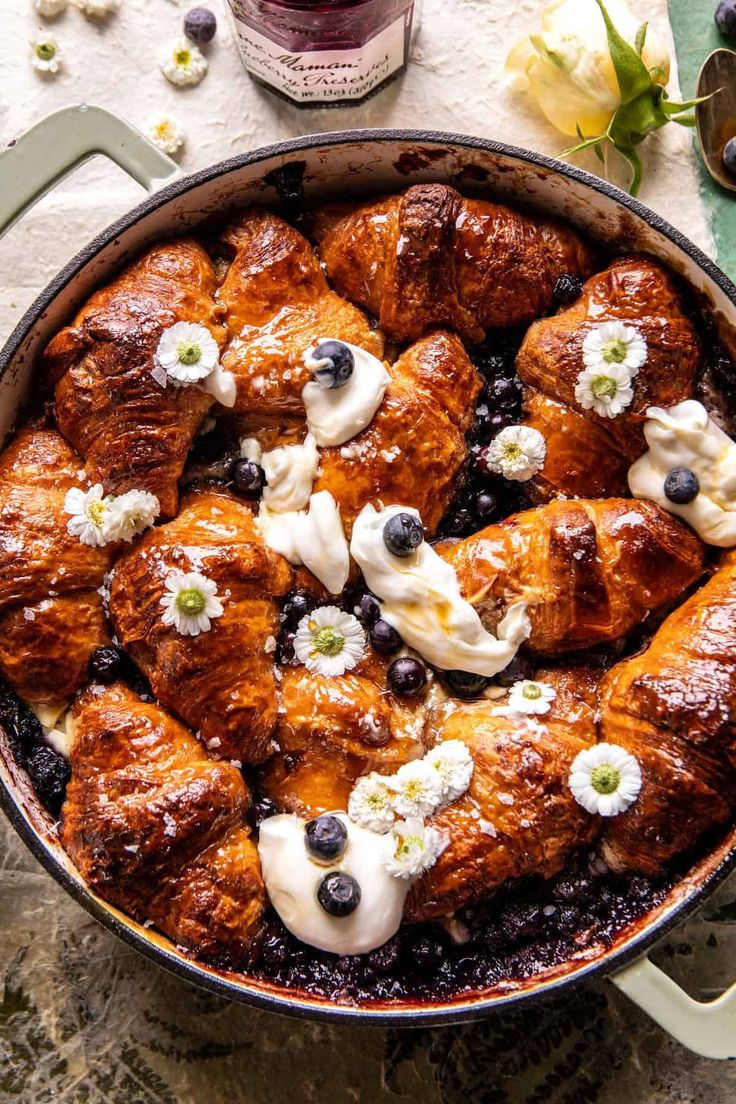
(325, 838)
(681, 486)
(402, 533)
(331, 364)
(339, 894)
(340, 410)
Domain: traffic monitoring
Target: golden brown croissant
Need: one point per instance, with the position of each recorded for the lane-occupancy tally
(431, 258)
(279, 306)
(415, 445)
(587, 454)
(157, 828)
(518, 815)
(134, 433)
(51, 615)
(673, 707)
(333, 729)
(589, 571)
(220, 682)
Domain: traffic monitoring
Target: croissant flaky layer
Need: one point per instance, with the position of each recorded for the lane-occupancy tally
(673, 706)
(588, 571)
(51, 615)
(221, 681)
(430, 257)
(158, 829)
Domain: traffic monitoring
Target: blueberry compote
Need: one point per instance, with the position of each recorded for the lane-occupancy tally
(48, 771)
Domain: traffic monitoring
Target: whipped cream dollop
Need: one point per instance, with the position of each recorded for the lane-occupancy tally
(684, 436)
(334, 416)
(313, 537)
(290, 471)
(292, 879)
(420, 596)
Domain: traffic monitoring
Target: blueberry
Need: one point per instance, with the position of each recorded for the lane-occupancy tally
(567, 289)
(407, 677)
(247, 476)
(486, 507)
(20, 722)
(729, 152)
(333, 364)
(200, 25)
(384, 638)
(386, 958)
(427, 953)
(518, 669)
(261, 809)
(522, 921)
(338, 894)
(505, 393)
(325, 838)
(49, 772)
(726, 18)
(402, 534)
(681, 486)
(368, 610)
(465, 685)
(490, 364)
(296, 606)
(106, 664)
(457, 523)
(274, 952)
(285, 654)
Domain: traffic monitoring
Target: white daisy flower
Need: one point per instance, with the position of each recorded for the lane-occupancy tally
(49, 8)
(453, 763)
(614, 344)
(166, 134)
(605, 779)
(184, 63)
(526, 696)
(187, 352)
(190, 602)
(46, 56)
(416, 847)
(329, 641)
(517, 452)
(91, 511)
(605, 390)
(370, 803)
(131, 513)
(416, 789)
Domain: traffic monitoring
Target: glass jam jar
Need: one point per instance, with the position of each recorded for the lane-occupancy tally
(317, 52)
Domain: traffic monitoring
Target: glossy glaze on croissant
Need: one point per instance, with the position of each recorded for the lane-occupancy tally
(134, 433)
(429, 257)
(219, 682)
(158, 829)
(518, 815)
(278, 306)
(589, 455)
(589, 571)
(51, 615)
(673, 706)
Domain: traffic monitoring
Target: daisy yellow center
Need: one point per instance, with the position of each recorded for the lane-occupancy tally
(96, 512)
(605, 779)
(188, 352)
(376, 800)
(328, 641)
(407, 845)
(45, 51)
(511, 450)
(182, 57)
(414, 789)
(164, 130)
(190, 601)
(614, 351)
(532, 692)
(603, 387)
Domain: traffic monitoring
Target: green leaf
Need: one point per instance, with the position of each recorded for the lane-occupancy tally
(641, 37)
(585, 144)
(672, 108)
(631, 72)
(684, 120)
(629, 154)
(599, 152)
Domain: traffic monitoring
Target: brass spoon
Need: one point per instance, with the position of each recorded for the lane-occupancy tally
(716, 117)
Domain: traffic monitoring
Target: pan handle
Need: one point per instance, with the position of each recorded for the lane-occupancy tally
(705, 1027)
(32, 165)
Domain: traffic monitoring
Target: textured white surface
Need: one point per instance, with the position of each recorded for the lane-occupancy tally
(455, 83)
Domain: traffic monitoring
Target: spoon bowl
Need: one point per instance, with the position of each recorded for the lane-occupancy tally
(716, 117)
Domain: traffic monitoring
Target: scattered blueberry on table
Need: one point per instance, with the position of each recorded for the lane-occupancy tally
(726, 19)
(729, 150)
(200, 25)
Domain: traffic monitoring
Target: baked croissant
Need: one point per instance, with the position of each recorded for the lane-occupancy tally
(278, 307)
(673, 707)
(589, 571)
(589, 455)
(157, 828)
(134, 433)
(415, 445)
(518, 815)
(333, 729)
(430, 257)
(51, 615)
(220, 682)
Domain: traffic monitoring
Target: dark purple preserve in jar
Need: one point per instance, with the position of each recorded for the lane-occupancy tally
(324, 51)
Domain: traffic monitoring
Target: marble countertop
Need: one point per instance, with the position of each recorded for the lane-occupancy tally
(85, 1020)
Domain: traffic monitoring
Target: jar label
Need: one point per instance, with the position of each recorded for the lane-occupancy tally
(319, 76)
